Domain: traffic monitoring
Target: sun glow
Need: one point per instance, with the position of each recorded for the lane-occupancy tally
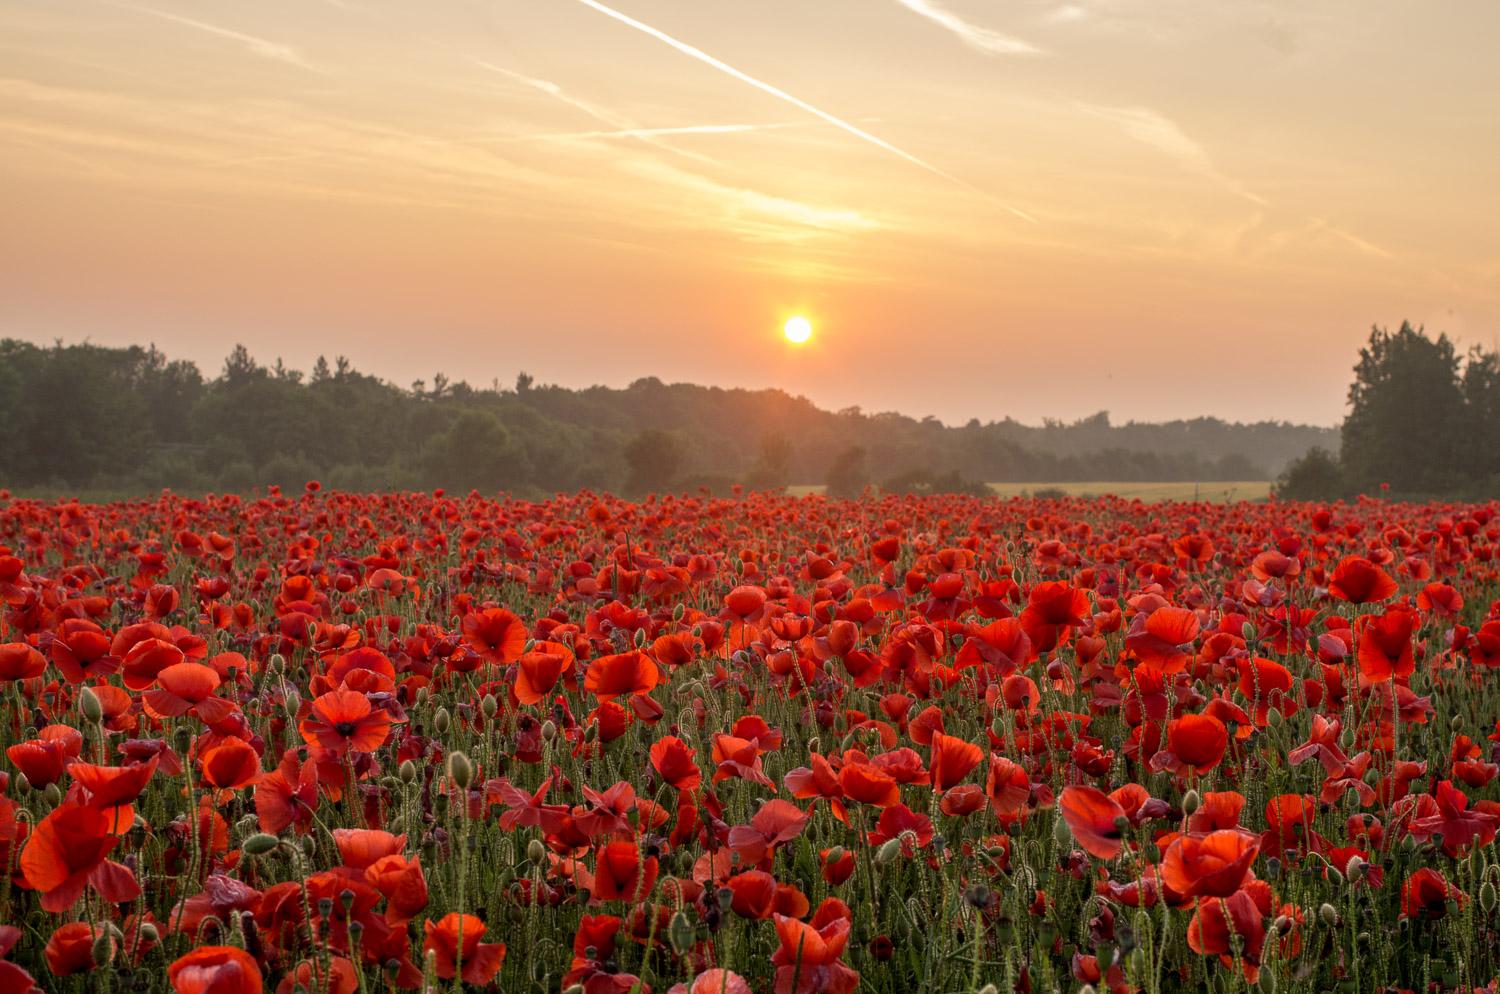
(798, 330)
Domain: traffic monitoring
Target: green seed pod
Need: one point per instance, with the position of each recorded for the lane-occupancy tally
(679, 611)
(260, 844)
(89, 704)
(1487, 896)
(1329, 914)
(276, 663)
(1247, 631)
(1061, 834)
(640, 638)
(442, 721)
(407, 771)
(460, 769)
(888, 851)
(680, 934)
(488, 706)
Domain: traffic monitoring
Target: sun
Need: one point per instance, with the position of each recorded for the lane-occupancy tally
(798, 330)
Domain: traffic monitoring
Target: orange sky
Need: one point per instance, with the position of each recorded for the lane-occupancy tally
(1159, 207)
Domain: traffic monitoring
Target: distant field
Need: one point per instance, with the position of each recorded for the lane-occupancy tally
(1220, 492)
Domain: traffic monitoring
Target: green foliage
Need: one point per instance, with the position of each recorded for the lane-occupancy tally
(122, 420)
(1316, 476)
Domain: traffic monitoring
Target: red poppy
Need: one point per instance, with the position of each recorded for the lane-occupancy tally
(456, 942)
(67, 851)
(19, 661)
(1359, 581)
(1211, 865)
(1195, 743)
(811, 954)
(621, 875)
(231, 764)
(1426, 894)
(1097, 822)
(70, 950)
(1385, 647)
(537, 671)
(609, 677)
(215, 970)
(344, 721)
(673, 759)
(495, 634)
(1222, 924)
(952, 760)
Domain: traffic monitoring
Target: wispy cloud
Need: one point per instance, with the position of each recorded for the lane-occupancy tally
(261, 47)
(1163, 134)
(687, 129)
(780, 94)
(984, 39)
(618, 123)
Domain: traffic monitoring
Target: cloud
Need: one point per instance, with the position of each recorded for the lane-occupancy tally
(1163, 134)
(260, 47)
(688, 129)
(780, 94)
(984, 39)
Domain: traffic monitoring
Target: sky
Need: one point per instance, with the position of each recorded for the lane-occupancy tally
(1028, 208)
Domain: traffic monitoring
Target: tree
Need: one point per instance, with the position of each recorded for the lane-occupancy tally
(476, 452)
(1316, 476)
(1406, 413)
(848, 475)
(773, 467)
(1481, 434)
(655, 458)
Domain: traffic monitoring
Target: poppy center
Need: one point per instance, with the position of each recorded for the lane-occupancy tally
(344, 728)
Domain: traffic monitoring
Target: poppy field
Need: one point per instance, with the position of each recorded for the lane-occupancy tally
(337, 743)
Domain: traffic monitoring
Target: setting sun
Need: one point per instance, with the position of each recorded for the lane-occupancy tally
(797, 330)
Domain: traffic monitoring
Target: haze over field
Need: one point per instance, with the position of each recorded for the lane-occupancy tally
(1165, 209)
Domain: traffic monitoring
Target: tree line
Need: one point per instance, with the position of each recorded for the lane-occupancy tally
(1423, 421)
(82, 416)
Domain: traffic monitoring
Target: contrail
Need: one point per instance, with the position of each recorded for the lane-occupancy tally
(262, 47)
(688, 129)
(983, 39)
(780, 94)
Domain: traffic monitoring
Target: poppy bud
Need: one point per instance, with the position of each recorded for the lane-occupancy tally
(549, 730)
(679, 611)
(407, 771)
(834, 855)
(888, 851)
(725, 896)
(53, 795)
(22, 783)
(1060, 833)
(149, 934)
(1456, 723)
(680, 933)
(988, 989)
(1355, 868)
(1329, 914)
(814, 743)
(1247, 631)
(640, 638)
(442, 720)
(89, 704)
(1487, 896)
(536, 851)
(292, 703)
(259, 844)
(1191, 802)
(1273, 717)
(103, 949)
(276, 663)
(489, 706)
(460, 769)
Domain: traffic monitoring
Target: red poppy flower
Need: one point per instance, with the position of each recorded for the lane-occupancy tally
(673, 759)
(495, 634)
(1211, 865)
(1385, 647)
(952, 760)
(1359, 581)
(70, 950)
(621, 875)
(19, 661)
(215, 970)
(344, 721)
(456, 940)
(811, 955)
(1195, 743)
(231, 764)
(1221, 922)
(1426, 894)
(612, 676)
(537, 671)
(67, 852)
(1097, 822)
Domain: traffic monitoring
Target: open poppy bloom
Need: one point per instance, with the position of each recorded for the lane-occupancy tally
(537, 671)
(808, 959)
(495, 634)
(343, 721)
(1224, 926)
(952, 760)
(608, 677)
(67, 852)
(1385, 649)
(621, 875)
(1359, 581)
(673, 759)
(456, 941)
(1195, 744)
(1211, 865)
